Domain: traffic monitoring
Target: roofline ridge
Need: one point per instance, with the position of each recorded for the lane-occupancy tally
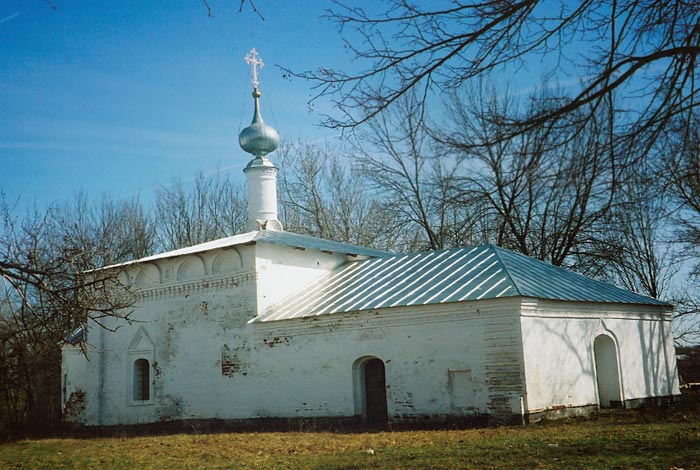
(568, 271)
(496, 251)
(438, 250)
(197, 248)
(260, 237)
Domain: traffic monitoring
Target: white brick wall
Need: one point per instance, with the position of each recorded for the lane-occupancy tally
(460, 359)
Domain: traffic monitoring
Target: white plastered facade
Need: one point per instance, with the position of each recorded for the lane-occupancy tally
(558, 350)
(505, 358)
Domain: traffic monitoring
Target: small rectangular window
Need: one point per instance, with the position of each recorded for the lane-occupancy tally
(141, 383)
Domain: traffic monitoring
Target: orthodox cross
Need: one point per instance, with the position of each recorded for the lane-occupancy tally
(253, 59)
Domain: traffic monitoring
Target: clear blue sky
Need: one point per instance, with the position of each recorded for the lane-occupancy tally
(119, 97)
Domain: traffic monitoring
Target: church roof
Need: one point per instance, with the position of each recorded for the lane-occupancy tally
(436, 277)
(295, 240)
(272, 237)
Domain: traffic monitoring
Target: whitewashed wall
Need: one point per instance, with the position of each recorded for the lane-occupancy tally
(192, 322)
(283, 271)
(558, 351)
(73, 383)
(439, 361)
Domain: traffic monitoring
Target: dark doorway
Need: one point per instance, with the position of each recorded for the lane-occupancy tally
(375, 392)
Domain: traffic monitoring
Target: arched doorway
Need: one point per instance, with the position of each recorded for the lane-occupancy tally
(607, 372)
(375, 391)
(369, 390)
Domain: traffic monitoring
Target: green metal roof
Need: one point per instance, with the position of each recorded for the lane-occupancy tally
(534, 278)
(455, 275)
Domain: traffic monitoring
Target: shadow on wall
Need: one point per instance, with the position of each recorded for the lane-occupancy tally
(576, 356)
(594, 352)
(655, 361)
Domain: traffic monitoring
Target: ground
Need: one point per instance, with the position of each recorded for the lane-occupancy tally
(651, 438)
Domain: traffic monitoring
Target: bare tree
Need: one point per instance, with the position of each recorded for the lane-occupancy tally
(322, 195)
(115, 230)
(643, 51)
(686, 315)
(545, 191)
(680, 149)
(396, 152)
(215, 207)
(681, 158)
(636, 249)
(50, 287)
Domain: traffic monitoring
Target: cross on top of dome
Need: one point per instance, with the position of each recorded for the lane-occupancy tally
(254, 60)
(258, 139)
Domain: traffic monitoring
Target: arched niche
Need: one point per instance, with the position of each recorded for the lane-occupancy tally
(226, 262)
(191, 267)
(124, 278)
(146, 275)
(607, 368)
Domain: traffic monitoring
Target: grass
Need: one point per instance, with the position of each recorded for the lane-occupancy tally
(666, 438)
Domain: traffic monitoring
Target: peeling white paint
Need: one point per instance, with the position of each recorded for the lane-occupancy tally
(500, 357)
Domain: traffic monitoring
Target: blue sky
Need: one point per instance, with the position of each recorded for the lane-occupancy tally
(120, 97)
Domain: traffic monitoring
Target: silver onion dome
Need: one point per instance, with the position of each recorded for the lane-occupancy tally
(258, 139)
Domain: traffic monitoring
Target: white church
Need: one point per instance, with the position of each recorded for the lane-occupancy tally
(271, 324)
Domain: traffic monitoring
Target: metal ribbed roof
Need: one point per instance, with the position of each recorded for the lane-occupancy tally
(455, 275)
(535, 278)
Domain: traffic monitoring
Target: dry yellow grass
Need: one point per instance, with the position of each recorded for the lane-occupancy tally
(662, 439)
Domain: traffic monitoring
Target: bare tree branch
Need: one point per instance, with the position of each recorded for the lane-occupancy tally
(645, 52)
(252, 5)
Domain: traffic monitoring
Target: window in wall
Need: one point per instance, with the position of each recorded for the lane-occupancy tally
(141, 382)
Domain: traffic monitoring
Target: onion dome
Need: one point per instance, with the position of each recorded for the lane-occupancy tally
(258, 139)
